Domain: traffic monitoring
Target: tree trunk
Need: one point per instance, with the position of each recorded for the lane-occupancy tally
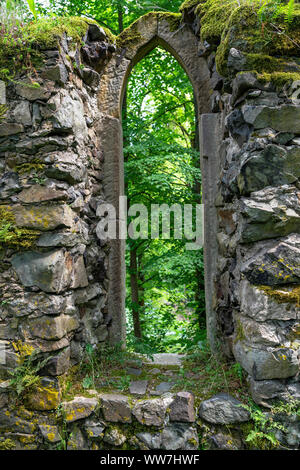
(120, 18)
(198, 197)
(135, 293)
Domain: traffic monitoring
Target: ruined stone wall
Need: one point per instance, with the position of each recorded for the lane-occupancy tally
(61, 156)
(258, 209)
(53, 276)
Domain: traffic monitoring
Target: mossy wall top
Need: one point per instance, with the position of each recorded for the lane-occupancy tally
(269, 44)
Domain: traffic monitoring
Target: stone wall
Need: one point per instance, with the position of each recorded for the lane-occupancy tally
(258, 209)
(53, 279)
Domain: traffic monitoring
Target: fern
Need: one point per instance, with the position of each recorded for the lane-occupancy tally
(25, 377)
(289, 11)
(270, 11)
(32, 8)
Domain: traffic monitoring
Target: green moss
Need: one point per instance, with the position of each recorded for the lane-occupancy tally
(283, 295)
(12, 236)
(239, 332)
(111, 37)
(214, 18)
(129, 36)
(221, 57)
(228, 24)
(188, 4)
(47, 31)
(7, 444)
(35, 165)
(20, 50)
(263, 63)
(279, 79)
(174, 19)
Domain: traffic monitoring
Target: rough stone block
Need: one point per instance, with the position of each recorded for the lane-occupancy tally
(268, 363)
(52, 328)
(179, 436)
(10, 128)
(38, 193)
(43, 218)
(285, 118)
(152, 412)
(116, 408)
(223, 409)
(51, 272)
(32, 93)
(182, 408)
(79, 408)
(45, 397)
(57, 73)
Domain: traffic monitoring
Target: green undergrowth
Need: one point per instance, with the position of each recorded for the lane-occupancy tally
(108, 370)
(7, 444)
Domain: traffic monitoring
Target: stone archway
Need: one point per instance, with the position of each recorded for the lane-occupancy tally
(150, 31)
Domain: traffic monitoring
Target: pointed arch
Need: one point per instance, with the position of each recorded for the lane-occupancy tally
(150, 31)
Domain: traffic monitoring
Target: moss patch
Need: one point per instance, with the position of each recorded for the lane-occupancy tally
(12, 236)
(21, 47)
(129, 36)
(174, 19)
(283, 295)
(188, 4)
(279, 79)
(47, 31)
(228, 24)
(7, 444)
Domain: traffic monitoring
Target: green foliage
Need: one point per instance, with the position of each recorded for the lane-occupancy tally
(64, 434)
(162, 167)
(25, 376)
(22, 40)
(7, 444)
(272, 10)
(262, 435)
(98, 362)
(32, 8)
(116, 15)
(88, 365)
(238, 371)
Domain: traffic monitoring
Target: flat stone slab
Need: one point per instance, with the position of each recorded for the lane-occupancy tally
(134, 371)
(165, 359)
(164, 387)
(138, 387)
(155, 371)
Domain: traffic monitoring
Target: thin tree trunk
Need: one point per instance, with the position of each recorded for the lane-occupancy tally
(198, 197)
(135, 293)
(120, 18)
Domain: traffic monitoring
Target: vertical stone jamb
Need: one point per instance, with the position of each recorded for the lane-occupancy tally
(210, 139)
